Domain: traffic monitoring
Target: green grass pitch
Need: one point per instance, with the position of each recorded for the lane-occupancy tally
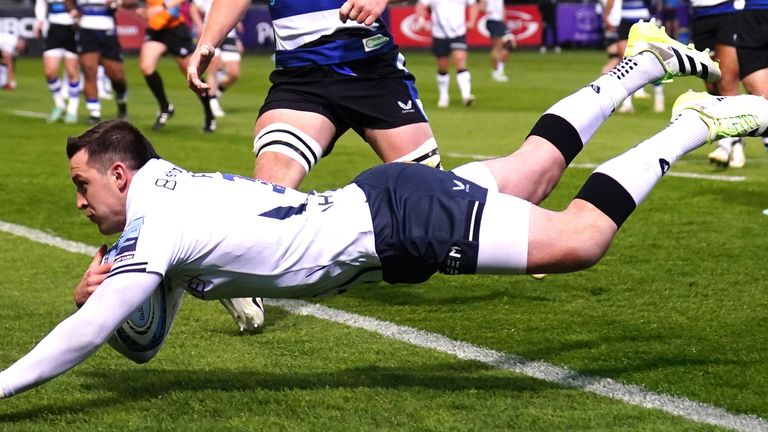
(678, 305)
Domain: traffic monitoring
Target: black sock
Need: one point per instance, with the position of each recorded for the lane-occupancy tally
(155, 83)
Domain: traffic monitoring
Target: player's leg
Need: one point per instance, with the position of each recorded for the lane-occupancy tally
(287, 146)
(72, 72)
(113, 67)
(150, 53)
(209, 120)
(409, 143)
(289, 143)
(579, 236)
(51, 65)
(89, 64)
(563, 130)
(463, 76)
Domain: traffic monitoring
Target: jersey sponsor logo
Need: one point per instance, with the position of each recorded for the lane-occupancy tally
(374, 42)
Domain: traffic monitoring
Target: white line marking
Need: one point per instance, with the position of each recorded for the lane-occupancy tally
(41, 237)
(32, 114)
(630, 394)
(715, 177)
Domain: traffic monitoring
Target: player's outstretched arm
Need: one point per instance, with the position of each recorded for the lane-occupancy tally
(80, 335)
(222, 17)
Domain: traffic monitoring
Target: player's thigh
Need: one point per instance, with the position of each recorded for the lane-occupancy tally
(89, 63)
(150, 54)
(756, 83)
(317, 126)
(459, 57)
(113, 69)
(567, 241)
(51, 62)
(729, 70)
(391, 144)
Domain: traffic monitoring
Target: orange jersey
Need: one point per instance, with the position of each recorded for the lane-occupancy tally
(165, 19)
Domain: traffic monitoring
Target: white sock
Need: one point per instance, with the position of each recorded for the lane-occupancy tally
(586, 110)
(638, 169)
(94, 107)
(464, 80)
(443, 82)
(74, 97)
(631, 74)
(500, 67)
(54, 86)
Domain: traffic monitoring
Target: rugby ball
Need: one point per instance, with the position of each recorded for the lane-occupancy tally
(142, 335)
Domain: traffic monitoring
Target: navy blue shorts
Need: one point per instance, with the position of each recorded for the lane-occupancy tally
(374, 93)
(61, 36)
(495, 28)
(424, 220)
(178, 40)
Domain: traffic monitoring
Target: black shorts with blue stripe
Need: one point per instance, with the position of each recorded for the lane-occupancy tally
(424, 220)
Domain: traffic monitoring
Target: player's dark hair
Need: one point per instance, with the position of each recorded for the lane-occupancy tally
(113, 141)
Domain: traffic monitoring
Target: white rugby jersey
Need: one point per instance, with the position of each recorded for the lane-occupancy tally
(448, 17)
(494, 10)
(205, 6)
(311, 33)
(96, 15)
(53, 12)
(221, 236)
(633, 10)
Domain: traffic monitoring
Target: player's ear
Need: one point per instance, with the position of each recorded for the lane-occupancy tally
(120, 174)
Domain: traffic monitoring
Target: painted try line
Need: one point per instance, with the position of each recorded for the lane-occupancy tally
(631, 394)
(715, 177)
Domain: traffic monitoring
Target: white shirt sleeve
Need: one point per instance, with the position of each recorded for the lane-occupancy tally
(41, 10)
(80, 335)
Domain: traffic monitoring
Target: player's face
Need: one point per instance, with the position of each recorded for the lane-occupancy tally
(98, 194)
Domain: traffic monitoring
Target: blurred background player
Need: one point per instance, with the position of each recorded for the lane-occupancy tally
(633, 11)
(752, 49)
(450, 20)
(325, 83)
(714, 28)
(168, 33)
(224, 69)
(549, 39)
(11, 45)
(610, 11)
(97, 44)
(502, 41)
(60, 46)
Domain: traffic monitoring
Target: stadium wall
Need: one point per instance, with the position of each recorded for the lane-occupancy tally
(578, 25)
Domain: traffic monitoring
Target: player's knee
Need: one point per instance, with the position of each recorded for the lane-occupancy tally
(425, 154)
(289, 141)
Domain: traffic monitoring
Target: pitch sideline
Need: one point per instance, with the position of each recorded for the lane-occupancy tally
(628, 393)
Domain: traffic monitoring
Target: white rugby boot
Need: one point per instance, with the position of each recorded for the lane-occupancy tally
(738, 158)
(726, 116)
(247, 312)
(676, 58)
(720, 157)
